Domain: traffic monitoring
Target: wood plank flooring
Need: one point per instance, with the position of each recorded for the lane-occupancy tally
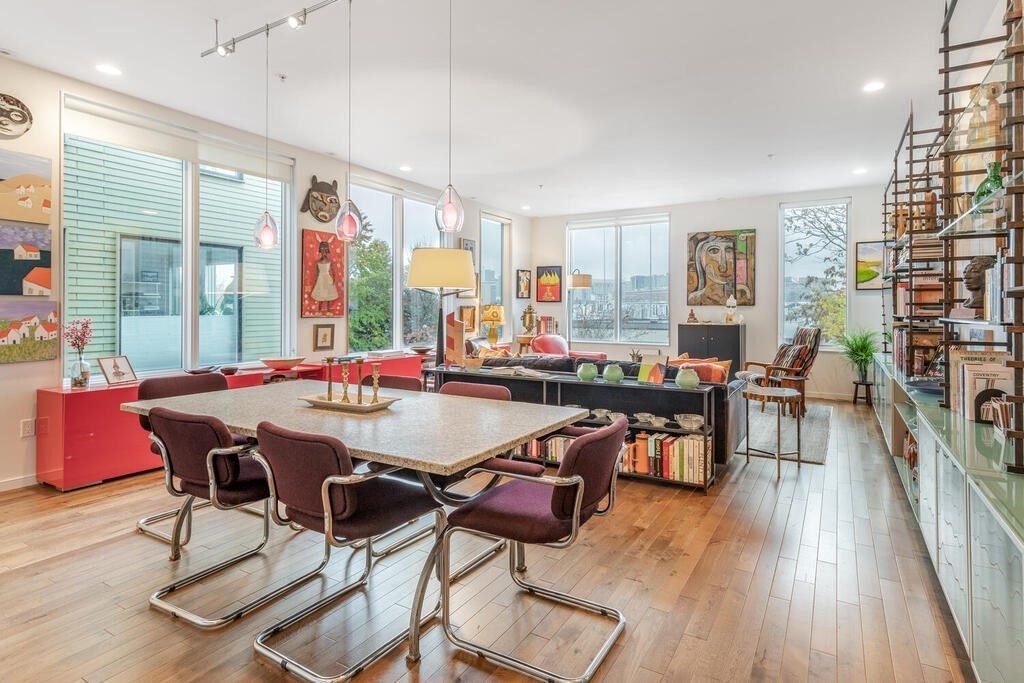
(820, 576)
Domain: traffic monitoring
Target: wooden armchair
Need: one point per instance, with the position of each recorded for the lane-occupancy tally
(791, 367)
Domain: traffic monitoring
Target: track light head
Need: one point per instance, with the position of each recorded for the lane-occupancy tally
(226, 49)
(298, 20)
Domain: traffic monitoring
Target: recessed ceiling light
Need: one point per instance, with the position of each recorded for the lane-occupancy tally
(108, 69)
(860, 171)
(873, 86)
(405, 168)
(525, 208)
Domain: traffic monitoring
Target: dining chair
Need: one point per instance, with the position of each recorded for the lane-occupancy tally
(394, 382)
(545, 510)
(164, 387)
(202, 461)
(312, 477)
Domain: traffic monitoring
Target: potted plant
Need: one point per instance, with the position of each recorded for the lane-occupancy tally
(859, 348)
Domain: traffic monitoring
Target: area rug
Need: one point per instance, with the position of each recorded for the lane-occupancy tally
(815, 427)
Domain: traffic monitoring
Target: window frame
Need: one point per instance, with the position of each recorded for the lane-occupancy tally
(507, 294)
(846, 200)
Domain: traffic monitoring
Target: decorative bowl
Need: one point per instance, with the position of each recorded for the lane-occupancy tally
(600, 413)
(658, 421)
(615, 416)
(644, 417)
(281, 363)
(689, 421)
(202, 371)
(472, 364)
(228, 370)
(422, 349)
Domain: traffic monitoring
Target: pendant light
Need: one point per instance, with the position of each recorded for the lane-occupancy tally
(349, 222)
(449, 214)
(265, 232)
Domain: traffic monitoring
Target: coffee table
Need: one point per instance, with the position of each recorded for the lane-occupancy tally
(782, 397)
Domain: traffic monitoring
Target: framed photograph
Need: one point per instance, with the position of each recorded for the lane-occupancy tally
(467, 314)
(549, 284)
(470, 246)
(117, 369)
(870, 265)
(524, 284)
(470, 293)
(323, 337)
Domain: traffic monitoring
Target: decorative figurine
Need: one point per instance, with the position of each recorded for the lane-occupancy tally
(692, 318)
(376, 382)
(636, 355)
(730, 309)
(330, 378)
(974, 280)
(993, 112)
(529, 320)
(344, 382)
(359, 381)
(992, 183)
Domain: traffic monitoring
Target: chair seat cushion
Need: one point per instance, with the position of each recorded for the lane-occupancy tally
(384, 504)
(519, 511)
(250, 487)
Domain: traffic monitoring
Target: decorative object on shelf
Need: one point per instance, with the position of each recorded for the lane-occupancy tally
(651, 373)
(600, 413)
(78, 334)
(472, 364)
(524, 283)
(529, 319)
(644, 418)
(25, 191)
(689, 421)
(321, 401)
(15, 117)
(454, 341)
(323, 337)
(931, 204)
(720, 263)
(992, 183)
(467, 315)
(350, 219)
(613, 374)
(470, 246)
(359, 373)
(25, 253)
(265, 232)
(323, 275)
(494, 316)
(117, 369)
(282, 363)
(447, 271)
(578, 280)
(587, 372)
(974, 280)
(322, 201)
(449, 213)
(345, 382)
(993, 112)
(730, 310)
(687, 378)
(692, 317)
(976, 128)
(636, 355)
(376, 383)
(870, 265)
(549, 284)
(659, 422)
(859, 348)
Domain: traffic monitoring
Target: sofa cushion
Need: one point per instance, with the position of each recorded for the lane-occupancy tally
(541, 363)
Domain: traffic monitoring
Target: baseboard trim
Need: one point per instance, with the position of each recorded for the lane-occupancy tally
(828, 396)
(18, 483)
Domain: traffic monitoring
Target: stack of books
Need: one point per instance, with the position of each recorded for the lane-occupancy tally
(668, 456)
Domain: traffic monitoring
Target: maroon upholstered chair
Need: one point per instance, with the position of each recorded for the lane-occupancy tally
(395, 382)
(312, 479)
(547, 510)
(556, 345)
(202, 461)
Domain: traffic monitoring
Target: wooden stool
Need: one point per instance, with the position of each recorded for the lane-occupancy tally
(782, 397)
(857, 384)
(523, 343)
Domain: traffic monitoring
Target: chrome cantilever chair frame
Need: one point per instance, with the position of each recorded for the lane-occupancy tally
(293, 666)
(156, 600)
(440, 555)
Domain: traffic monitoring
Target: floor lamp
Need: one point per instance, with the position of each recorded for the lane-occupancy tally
(448, 271)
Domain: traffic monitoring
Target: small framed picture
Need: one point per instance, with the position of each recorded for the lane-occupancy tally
(549, 284)
(467, 314)
(117, 369)
(524, 284)
(323, 337)
(470, 246)
(870, 265)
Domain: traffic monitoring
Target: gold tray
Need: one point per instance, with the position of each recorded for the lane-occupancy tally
(320, 401)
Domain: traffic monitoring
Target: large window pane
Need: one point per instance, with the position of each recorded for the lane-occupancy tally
(123, 220)
(239, 284)
(419, 307)
(643, 289)
(492, 266)
(814, 269)
(371, 280)
(592, 251)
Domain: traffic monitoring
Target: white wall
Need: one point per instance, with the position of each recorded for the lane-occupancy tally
(831, 376)
(41, 91)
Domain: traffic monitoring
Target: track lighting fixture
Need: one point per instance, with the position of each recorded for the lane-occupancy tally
(297, 21)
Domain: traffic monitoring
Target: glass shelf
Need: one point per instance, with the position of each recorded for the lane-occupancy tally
(968, 321)
(984, 219)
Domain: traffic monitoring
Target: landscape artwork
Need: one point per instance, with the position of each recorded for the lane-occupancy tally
(29, 331)
(25, 192)
(24, 259)
(549, 284)
(323, 275)
(870, 265)
(721, 263)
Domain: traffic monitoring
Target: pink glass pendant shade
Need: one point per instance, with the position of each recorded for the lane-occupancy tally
(349, 221)
(449, 212)
(265, 232)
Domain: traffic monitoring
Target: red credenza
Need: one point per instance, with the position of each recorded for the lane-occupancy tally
(406, 366)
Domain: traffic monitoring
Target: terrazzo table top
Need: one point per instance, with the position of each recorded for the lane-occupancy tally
(425, 431)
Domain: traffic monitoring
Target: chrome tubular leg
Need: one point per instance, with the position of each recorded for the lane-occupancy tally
(403, 542)
(520, 555)
(482, 557)
(415, 623)
(145, 525)
(182, 518)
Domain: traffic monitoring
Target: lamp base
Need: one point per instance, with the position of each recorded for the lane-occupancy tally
(492, 335)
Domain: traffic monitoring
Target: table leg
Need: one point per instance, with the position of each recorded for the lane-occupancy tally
(798, 416)
(747, 401)
(778, 441)
(870, 399)
(856, 393)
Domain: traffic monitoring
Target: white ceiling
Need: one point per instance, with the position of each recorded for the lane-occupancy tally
(606, 104)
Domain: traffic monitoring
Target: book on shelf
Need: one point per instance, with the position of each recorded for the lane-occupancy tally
(517, 371)
(980, 383)
(546, 324)
(957, 359)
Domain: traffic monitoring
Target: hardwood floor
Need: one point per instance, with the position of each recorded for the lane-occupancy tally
(822, 576)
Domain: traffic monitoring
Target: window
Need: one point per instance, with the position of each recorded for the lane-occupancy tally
(492, 265)
(419, 307)
(127, 216)
(814, 268)
(629, 263)
(371, 273)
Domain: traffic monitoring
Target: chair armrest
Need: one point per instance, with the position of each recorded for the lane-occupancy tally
(746, 366)
(509, 467)
(211, 458)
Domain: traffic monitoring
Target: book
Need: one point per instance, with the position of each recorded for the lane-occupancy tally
(666, 457)
(981, 383)
(957, 359)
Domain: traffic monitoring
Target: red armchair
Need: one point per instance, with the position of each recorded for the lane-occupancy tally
(556, 345)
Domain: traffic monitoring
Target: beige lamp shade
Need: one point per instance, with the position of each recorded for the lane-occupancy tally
(494, 314)
(578, 280)
(437, 268)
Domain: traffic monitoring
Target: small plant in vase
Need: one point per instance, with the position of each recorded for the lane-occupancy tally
(78, 334)
(859, 348)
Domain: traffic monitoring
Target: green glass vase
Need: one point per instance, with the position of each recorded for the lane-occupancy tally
(587, 372)
(991, 184)
(687, 378)
(613, 373)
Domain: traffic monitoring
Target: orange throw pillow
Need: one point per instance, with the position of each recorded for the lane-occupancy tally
(713, 373)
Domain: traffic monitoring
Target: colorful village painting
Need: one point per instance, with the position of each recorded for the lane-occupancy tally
(25, 192)
(24, 259)
(29, 330)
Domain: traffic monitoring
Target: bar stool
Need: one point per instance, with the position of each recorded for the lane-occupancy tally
(312, 477)
(541, 510)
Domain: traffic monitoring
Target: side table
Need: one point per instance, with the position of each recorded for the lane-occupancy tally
(857, 384)
(783, 397)
(523, 343)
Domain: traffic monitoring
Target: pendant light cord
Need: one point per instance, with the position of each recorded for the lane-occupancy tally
(266, 128)
(348, 145)
(451, 68)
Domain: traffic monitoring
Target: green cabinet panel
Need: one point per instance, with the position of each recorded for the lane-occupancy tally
(953, 541)
(928, 455)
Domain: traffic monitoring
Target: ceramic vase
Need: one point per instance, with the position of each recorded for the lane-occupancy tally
(613, 373)
(687, 378)
(587, 372)
(989, 185)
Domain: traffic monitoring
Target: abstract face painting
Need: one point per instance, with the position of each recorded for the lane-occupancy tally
(720, 264)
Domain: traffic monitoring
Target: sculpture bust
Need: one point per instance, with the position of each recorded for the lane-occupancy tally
(974, 280)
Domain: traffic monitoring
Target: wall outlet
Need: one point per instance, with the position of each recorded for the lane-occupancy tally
(28, 428)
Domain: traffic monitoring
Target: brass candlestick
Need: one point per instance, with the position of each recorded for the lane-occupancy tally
(376, 382)
(330, 379)
(359, 381)
(344, 382)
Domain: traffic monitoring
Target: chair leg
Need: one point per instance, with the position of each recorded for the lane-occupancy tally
(146, 526)
(156, 600)
(182, 518)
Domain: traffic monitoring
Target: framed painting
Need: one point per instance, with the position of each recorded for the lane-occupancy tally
(29, 330)
(467, 315)
(117, 370)
(24, 259)
(524, 284)
(719, 264)
(25, 192)
(549, 284)
(470, 246)
(323, 275)
(870, 265)
(323, 337)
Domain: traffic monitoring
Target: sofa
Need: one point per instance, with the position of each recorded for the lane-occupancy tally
(556, 345)
(730, 425)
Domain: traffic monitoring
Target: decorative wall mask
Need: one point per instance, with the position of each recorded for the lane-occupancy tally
(15, 117)
(322, 201)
